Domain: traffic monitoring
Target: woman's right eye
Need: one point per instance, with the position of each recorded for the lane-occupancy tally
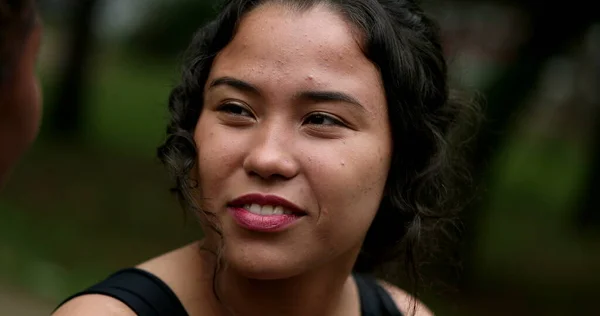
(234, 109)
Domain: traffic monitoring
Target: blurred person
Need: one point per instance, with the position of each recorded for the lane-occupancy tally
(315, 141)
(20, 101)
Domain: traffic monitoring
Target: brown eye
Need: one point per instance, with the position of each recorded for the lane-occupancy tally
(234, 109)
(322, 119)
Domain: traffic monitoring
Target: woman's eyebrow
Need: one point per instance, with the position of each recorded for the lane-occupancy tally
(328, 96)
(234, 83)
(310, 95)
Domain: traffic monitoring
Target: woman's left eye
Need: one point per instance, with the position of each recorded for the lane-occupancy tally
(322, 119)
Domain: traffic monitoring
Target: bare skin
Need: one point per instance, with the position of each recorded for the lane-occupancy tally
(169, 268)
(20, 105)
(298, 116)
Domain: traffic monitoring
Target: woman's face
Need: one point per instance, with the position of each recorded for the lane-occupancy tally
(294, 121)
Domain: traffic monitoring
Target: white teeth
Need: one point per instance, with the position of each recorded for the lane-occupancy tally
(267, 209)
(278, 210)
(255, 208)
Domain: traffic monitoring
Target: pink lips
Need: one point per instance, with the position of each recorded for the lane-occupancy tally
(264, 223)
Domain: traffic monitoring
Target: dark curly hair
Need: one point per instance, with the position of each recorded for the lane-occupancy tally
(422, 189)
(17, 18)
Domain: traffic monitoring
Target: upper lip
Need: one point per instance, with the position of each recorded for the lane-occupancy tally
(261, 199)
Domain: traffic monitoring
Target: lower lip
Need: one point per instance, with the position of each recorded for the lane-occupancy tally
(262, 223)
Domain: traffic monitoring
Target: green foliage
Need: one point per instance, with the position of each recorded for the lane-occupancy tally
(170, 27)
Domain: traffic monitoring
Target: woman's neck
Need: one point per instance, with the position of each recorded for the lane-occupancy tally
(327, 291)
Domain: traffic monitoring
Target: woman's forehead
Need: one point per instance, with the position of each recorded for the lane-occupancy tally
(309, 49)
(275, 31)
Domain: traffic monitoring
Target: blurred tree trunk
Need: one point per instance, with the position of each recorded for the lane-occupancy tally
(513, 87)
(554, 26)
(68, 106)
(589, 215)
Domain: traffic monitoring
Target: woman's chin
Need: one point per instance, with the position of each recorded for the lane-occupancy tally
(261, 266)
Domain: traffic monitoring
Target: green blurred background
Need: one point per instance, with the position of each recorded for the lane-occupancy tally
(90, 197)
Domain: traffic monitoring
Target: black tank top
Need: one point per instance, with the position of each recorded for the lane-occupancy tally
(147, 295)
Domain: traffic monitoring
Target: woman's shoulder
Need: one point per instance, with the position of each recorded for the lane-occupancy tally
(164, 267)
(94, 305)
(406, 302)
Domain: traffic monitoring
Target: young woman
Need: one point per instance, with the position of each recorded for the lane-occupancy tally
(19, 92)
(312, 140)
